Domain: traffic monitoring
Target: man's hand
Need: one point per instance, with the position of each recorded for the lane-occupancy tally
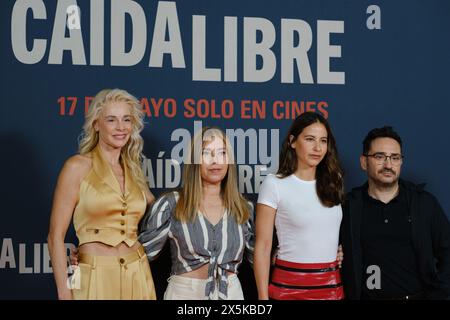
(73, 258)
(340, 256)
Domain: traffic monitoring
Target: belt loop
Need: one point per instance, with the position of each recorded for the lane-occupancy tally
(94, 262)
(141, 252)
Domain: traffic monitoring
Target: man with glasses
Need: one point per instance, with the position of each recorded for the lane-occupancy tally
(395, 235)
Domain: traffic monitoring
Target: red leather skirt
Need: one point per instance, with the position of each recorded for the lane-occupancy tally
(305, 281)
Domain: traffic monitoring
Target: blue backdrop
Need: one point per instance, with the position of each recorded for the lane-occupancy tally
(362, 64)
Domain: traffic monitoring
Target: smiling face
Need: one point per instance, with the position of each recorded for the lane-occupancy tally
(380, 170)
(311, 145)
(214, 164)
(114, 124)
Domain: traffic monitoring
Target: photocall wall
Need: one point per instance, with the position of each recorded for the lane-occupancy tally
(249, 67)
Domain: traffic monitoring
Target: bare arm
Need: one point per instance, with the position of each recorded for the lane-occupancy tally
(149, 196)
(265, 220)
(64, 201)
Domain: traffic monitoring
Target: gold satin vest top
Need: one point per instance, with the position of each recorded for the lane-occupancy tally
(103, 213)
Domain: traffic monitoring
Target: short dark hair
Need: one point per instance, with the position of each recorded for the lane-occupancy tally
(383, 132)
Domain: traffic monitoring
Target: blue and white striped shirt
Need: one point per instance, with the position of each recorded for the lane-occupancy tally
(194, 244)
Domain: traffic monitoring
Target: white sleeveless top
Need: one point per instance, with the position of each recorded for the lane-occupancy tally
(307, 231)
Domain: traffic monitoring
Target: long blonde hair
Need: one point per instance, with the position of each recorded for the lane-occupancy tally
(131, 153)
(191, 192)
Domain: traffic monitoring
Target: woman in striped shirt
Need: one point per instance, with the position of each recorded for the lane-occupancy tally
(208, 222)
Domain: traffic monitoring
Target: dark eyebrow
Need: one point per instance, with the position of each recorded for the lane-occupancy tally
(385, 154)
(313, 136)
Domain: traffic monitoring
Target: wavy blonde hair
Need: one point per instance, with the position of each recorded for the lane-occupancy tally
(191, 191)
(131, 153)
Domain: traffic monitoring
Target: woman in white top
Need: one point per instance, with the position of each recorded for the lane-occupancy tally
(303, 201)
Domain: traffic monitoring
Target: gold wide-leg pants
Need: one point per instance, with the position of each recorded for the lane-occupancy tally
(125, 277)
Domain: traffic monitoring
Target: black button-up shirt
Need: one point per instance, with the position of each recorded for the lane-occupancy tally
(386, 243)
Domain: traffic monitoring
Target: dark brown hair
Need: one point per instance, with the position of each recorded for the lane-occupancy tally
(329, 173)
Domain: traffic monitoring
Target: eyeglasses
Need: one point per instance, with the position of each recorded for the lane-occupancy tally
(380, 157)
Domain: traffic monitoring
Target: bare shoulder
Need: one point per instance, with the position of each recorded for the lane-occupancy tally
(77, 166)
(79, 162)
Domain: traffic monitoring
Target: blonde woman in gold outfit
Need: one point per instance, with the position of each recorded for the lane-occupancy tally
(104, 189)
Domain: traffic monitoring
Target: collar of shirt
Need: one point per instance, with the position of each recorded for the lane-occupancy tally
(397, 198)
